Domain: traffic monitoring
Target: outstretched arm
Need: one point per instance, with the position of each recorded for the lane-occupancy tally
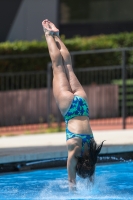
(71, 168)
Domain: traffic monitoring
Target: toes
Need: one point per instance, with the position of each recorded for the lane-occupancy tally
(51, 24)
(46, 24)
(44, 21)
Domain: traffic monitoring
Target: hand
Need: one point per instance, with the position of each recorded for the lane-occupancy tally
(72, 186)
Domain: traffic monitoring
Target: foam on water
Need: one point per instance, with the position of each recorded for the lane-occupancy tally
(112, 182)
(59, 190)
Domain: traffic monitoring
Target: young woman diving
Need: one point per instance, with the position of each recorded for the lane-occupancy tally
(72, 102)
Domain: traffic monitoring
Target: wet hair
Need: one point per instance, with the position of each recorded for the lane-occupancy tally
(85, 167)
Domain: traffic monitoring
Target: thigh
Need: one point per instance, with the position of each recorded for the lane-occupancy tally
(62, 91)
(77, 88)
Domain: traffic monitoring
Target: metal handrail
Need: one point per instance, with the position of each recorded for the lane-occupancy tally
(102, 51)
(73, 53)
(22, 73)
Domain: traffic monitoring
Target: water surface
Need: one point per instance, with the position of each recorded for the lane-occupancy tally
(112, 182)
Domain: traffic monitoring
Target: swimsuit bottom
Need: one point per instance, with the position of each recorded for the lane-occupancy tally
(78, 107)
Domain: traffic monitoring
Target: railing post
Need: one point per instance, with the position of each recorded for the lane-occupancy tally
(123, 89)
(49, 65)
(73, 61)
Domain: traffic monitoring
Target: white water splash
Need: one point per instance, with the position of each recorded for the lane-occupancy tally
(58, 189)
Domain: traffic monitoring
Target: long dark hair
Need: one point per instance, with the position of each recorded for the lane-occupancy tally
(85, 167)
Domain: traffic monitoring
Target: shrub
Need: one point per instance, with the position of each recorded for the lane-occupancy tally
(74, 44)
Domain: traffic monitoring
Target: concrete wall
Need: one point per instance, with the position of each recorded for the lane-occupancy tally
(31, 106)
(22, 18)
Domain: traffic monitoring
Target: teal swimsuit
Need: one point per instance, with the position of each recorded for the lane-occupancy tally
(78, 107)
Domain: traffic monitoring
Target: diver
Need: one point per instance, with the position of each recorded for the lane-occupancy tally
(73, 104)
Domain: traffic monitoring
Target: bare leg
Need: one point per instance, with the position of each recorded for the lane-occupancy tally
(61, 87)
(76, 87)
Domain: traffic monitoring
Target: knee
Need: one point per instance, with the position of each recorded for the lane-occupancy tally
(57, 58)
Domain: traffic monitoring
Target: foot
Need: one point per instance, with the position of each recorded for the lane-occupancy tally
(47, 28)
(54, 29)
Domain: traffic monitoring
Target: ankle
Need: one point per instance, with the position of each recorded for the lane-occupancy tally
(48, 33)
(56, 34)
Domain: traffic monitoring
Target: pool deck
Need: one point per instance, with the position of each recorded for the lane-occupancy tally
(24, 148)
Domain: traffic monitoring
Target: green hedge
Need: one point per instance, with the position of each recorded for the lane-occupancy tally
(74, 44)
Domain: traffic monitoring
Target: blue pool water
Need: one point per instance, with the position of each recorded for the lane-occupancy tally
(112, 182)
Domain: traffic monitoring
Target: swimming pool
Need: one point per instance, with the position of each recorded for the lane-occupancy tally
(112, 182)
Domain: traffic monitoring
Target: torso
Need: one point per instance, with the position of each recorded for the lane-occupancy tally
(78, 125)
(77, 122)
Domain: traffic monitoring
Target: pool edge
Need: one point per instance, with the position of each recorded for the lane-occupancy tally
(61, 162)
